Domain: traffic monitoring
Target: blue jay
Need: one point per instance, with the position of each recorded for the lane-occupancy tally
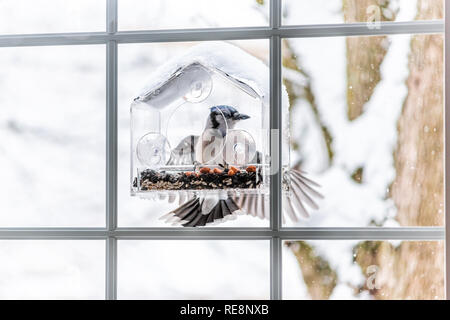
(226, 205)
(192, 149)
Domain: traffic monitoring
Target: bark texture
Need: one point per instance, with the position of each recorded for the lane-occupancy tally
(418, 188)
(364, 54)
(415, 270)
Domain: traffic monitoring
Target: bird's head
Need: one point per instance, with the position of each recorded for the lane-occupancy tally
(223, 117)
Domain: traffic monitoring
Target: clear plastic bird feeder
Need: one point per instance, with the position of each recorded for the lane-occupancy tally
(174, 148)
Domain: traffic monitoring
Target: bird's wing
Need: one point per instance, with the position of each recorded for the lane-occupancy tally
(184, 152)
(192, 213)
(201, 211)
(301, 197)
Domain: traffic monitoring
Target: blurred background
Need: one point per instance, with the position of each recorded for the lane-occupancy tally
(366, 118)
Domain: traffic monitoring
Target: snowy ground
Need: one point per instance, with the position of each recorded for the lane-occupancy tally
(52, 159)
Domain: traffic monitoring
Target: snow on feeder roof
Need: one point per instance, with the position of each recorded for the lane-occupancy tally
(175, 110)
(239, 66)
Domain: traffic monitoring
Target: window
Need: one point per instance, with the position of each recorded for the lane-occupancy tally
(64, 166)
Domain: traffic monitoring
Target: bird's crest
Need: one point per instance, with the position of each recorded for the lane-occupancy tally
(227, 111)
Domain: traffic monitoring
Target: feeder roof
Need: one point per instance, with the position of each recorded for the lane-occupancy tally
(240, 67)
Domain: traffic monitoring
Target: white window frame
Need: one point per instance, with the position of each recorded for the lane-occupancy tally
(276, 233)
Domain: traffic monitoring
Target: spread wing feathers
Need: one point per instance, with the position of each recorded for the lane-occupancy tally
(295, 203)
(192, 213)
(195, 211)
(302, 194)
(184, 153)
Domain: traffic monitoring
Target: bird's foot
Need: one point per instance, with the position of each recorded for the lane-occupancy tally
(196, 165)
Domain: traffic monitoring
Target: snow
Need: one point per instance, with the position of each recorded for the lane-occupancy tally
(293, 284)
(50, 16)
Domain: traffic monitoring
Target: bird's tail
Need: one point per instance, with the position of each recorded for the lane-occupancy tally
(190, 214)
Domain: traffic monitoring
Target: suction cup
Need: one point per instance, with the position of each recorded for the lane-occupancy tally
(240, 147)
(196, 84)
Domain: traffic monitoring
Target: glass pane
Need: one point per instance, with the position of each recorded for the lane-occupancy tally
(193, 269)
(367, 124)
(176, 14)
(51, 16)
(297, 12)
(51, 269)
(52, 124)
(360, 270)
(141, 65)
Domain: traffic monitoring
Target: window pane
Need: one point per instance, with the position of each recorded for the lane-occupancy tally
(297, 12)
(367, 124)
(380, 270)
(138, 64)
(176, 14)
(193, 269)
(51, 269)
(52, 124)
(51, 16)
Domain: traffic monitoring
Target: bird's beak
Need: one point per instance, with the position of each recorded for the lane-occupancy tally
(241, 116)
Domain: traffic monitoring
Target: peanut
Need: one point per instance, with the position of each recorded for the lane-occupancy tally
(205, 170)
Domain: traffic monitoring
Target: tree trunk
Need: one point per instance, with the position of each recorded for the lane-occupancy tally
(418, 188)
(364, 54)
